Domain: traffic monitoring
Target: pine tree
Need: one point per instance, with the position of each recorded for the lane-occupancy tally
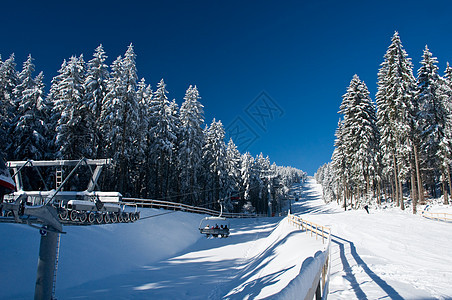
(190, 145)
(214, 157)
(143, 172)
(434, 118)
(339, 164)
(95, 86)
(173, 185)
(445, 152)
(119, 117)
(29, 126)
(394, 113)
(164, 139)
(247, 162)
(8, 82)
(73, 136)
(263, 176)
(360, 136)
(233, 167)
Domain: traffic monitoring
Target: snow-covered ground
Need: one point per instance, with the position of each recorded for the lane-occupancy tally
(387, 254)
(163, 257)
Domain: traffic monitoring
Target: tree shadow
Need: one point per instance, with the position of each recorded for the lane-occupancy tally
(185, 278)
(311, 202)
(253, 287)
(393, 294)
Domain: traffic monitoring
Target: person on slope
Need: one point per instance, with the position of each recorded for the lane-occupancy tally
(366, 207)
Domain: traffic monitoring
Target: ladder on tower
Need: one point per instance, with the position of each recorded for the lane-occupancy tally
(58, 177)
(56, 266)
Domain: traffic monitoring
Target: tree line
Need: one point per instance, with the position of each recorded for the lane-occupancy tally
(400, 147)
(159, 150)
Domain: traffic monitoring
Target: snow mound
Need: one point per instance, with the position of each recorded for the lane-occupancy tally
(90, 253)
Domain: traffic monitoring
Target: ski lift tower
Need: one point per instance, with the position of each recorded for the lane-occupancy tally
(49, 210)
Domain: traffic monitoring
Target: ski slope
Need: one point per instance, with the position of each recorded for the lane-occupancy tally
(387, 254)
(162, 257)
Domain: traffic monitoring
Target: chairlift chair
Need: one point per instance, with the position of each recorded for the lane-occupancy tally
(215, 226)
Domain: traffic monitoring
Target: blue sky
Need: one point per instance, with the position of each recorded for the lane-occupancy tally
(275, 70)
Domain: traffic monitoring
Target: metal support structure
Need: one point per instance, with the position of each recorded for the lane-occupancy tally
(95, 176)
(58, 177)
(57, 256)
(46, 265)
(44, 216)
(18, 165)
(269, 199)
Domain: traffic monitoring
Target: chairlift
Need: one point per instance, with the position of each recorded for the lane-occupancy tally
(215, 226)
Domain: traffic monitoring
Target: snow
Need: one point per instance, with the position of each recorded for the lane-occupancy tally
(385, 254)
(163, 257)
(388, 252)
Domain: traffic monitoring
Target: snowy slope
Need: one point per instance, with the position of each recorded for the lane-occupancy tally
(90, 253)
(163, 257)
(387, 253)
(381, 255)
(259, 258)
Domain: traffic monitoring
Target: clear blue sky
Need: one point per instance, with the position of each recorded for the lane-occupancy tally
(302, 54)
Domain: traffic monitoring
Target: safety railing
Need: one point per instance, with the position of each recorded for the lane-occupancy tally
(319, 286)
(437, 216)
(315, 229)
(151, 203)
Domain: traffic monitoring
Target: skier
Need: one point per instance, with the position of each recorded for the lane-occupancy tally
(366, 207)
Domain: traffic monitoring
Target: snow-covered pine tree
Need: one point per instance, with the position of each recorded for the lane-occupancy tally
(433, 116)
(262, 181)
(8, 82)
(173, 170)
(246, 173)
(360, 136)
(119, 117)
(339, 165)
(144, 95)
(164, 139)
(394, 113)
(233, 166)
(214, 157)
(30, 122)
(445, 153)
(73, 136)
(95, 86)
(190, 145)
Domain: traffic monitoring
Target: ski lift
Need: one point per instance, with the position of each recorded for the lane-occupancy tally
(215, 226)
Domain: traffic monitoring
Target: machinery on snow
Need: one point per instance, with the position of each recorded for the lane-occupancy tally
(50, 209)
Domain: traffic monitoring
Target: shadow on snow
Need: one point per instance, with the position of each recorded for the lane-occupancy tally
(342, 243)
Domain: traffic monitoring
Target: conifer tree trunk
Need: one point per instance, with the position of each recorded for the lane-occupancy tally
(449, 180)
(393, 192)
(413, 186)
(446, 197)
(167, 177)
(401, 202)
(396, 179)
(379, 192)
(345, 198)
(338, 195)
(420, 186)
(368, 191)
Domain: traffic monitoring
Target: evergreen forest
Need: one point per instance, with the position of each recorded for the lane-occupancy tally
(398, 148)
(160, 150)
